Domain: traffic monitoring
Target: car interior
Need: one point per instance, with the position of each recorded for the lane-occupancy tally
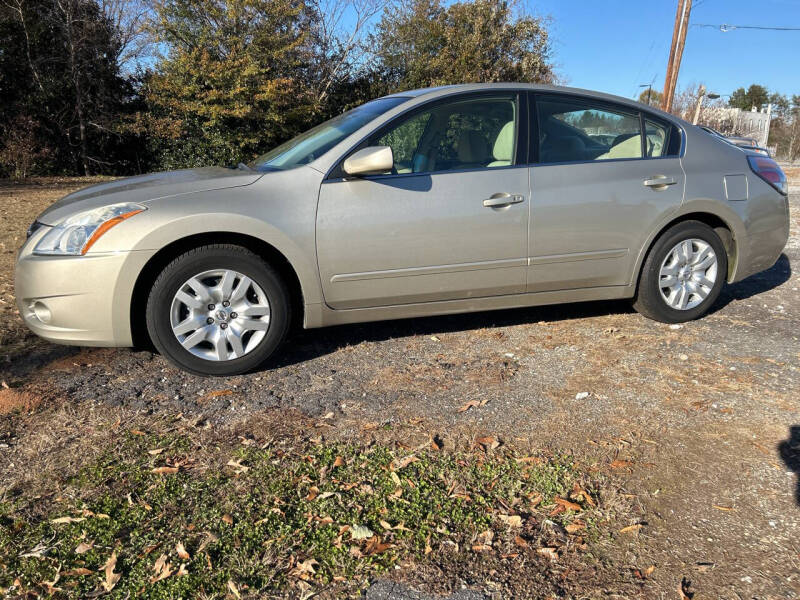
(476, 133)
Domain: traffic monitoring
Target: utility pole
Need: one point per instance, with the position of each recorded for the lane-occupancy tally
(676, 52)
(701, 92)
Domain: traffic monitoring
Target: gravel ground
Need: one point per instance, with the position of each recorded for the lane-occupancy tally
(699, 423)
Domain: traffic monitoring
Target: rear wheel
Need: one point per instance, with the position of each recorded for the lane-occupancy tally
(683, 274)
(218, 310)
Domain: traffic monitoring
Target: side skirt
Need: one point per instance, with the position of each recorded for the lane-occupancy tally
(321, 315)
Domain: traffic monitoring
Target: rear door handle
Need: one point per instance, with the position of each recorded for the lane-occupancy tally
(503, 199)
(659, 182)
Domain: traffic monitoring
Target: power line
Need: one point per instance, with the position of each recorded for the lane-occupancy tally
(726, 27)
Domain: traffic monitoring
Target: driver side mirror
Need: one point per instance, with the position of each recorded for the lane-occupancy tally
(372, 160)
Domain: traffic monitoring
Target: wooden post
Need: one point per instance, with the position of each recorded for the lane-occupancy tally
(668, 76)
(678, 56)
(701, 93)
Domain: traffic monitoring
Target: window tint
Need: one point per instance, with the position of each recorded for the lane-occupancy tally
(464, 134)
(574, 130)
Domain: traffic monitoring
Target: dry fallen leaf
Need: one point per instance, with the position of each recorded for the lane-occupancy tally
(313, 492)
(520, 541)
(575, 526)
(83, 547)
(181, 550)
(227, 519)
(488, 442)
(725, 508)
(304, 569)
(238, 466)
(111, 577)
(79, 572)
(376, 546)
(155, 451)
(338, 462)
(551, 553)
(234, 590)
(511, 520)
(404, 462)
(567, 504)
(631, 528)
(165, 470)
(161, 568)
(620, 464)
(67, 520)
(472, 404)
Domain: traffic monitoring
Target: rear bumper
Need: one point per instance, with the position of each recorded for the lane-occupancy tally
(763, 247)
(78, 300)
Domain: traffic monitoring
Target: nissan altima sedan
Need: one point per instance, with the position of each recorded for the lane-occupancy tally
(428, 202)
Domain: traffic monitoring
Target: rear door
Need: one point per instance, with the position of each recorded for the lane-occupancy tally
(598, 186)
(449, 222)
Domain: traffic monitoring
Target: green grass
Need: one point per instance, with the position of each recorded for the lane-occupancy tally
(254, 528)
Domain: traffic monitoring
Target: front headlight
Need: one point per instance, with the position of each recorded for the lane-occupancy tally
(75, 235)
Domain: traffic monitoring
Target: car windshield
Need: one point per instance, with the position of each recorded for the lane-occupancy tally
(315, 142)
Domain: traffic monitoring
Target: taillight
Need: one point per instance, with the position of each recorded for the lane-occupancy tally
(769, 171)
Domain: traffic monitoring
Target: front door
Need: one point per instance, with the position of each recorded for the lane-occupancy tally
(449, 222)
(597, 190)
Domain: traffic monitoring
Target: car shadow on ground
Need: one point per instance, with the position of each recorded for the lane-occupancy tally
(776, 275)
(306, 345)
(789, 450)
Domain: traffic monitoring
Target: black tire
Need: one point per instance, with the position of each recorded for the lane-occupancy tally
(198, 260)
(649, 301)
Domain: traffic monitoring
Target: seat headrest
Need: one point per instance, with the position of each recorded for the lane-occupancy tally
(472, 147)
(504, 143)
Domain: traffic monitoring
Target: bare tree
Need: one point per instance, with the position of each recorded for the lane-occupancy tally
(341, 28)
(131, 21)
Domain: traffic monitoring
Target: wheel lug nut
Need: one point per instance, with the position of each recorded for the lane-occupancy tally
(211, 307)
(226, 304)
(223, 325)
(209, 320)
(234, 315)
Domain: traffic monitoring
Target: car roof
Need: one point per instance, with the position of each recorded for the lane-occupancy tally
(446, 90)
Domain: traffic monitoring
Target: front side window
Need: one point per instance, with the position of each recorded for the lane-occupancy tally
(315, 142)
(463, 134)
(576, 131)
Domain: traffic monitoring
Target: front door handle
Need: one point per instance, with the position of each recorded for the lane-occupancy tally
(503, 199)
(659, 182)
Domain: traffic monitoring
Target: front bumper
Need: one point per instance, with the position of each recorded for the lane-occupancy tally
(78, 300)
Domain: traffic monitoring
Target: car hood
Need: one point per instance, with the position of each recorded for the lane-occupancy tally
(146, 188)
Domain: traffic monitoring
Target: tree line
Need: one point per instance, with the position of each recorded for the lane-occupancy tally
(129, 86)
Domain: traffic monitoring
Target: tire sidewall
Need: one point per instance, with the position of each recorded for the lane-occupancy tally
(205, 259)
(649, 285)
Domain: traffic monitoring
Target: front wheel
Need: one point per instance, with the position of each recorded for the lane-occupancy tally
(683, 274)
(218, 310)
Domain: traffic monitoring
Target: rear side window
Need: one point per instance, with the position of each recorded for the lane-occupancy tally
(573, 130)
(662, 139)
